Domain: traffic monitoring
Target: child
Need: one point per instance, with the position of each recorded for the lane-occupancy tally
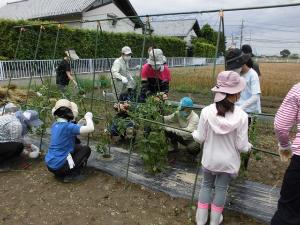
(223, 130)
(64, 158)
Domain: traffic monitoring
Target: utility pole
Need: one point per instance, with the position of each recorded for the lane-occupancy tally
(242, 28)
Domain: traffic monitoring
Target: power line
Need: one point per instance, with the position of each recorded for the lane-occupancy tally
(171, 14)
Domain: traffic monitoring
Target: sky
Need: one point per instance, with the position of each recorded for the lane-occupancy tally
(268, 31)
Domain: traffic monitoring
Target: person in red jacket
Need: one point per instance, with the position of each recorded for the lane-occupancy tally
(155, 75)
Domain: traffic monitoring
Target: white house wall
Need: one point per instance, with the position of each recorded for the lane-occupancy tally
(125, 25)
(189, 37)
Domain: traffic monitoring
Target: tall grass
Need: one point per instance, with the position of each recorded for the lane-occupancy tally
(276, 79)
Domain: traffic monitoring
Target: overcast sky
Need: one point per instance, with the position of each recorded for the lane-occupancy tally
(268, 30)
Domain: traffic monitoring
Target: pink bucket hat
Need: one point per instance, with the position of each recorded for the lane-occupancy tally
(228, 82)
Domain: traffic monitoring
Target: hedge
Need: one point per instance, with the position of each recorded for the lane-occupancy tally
(83, 41)
(202, 49)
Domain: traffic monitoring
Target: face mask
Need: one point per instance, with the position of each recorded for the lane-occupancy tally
(127, 58)
(183, 114)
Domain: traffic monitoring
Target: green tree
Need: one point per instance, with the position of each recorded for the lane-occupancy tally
(285, 53)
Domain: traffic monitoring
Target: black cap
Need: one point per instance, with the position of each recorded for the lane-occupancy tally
(235, 58)
(246, 49)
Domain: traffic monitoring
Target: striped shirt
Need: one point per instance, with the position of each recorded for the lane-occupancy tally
(286, 117)
(10, 129)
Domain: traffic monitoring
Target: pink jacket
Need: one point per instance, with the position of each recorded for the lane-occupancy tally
(224, 138)
(286, 117)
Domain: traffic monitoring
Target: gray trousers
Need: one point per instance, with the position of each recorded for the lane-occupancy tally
(220, 182)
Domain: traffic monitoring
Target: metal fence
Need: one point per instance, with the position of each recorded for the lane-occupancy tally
(21, 69)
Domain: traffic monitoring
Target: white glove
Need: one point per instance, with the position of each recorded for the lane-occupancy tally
(124, 80)
(250, 146)
(75, 83)
(35, 151)
(88, 115)
(285, 153)
(70, 161)
(195, 136)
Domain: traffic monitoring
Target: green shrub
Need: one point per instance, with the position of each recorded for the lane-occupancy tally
(2, 58)
(202, 49)
(83, 41)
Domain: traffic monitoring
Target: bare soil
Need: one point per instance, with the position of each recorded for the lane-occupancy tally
(33, 196)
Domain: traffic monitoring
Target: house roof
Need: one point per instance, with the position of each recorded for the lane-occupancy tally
(177, 28)
(34, 9)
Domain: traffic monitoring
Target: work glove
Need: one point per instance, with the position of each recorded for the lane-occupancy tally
(124, 80)
(195, 135)
(88, 115)
(250, 146)
(75, 83)
(285, 153)
(35, 151)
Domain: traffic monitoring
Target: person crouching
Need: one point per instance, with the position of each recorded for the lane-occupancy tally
(65, 159)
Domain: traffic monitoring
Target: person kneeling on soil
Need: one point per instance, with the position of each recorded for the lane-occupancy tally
(184, 118)
(13, 128)
(64, 158)
(121, 122)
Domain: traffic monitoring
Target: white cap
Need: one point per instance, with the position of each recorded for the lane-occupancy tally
(72, 54)
(126, 50)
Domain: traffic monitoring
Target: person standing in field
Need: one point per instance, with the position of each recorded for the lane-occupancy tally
(287, 116)
(123, 82)
(63, 71)
(246, 49)
(249, 100)
(223, 131)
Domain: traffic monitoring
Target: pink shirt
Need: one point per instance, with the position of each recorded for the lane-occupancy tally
(286, 117)
(148, 72)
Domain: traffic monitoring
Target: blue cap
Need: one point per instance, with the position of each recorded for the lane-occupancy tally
(185, 102)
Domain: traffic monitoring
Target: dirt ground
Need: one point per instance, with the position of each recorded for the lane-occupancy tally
(34, 197)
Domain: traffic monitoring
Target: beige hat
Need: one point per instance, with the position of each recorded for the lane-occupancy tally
(126, 50)
(74, 109)
(72, 54)
(156, 57)
(61, 103)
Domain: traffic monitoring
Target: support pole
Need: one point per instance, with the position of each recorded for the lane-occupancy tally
(94, 73)
(14, 61)
(217, 48)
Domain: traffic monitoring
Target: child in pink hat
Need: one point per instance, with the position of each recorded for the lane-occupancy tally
(223, 130)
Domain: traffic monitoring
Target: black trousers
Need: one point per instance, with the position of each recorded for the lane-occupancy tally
(10, 150)
(80, 157)
(175, 139)
(288, 210)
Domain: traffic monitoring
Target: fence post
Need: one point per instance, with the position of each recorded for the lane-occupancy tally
(1, 71)
(91, 65)
(184, 62)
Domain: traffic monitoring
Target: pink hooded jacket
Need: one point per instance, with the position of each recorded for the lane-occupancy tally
(224, 138)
